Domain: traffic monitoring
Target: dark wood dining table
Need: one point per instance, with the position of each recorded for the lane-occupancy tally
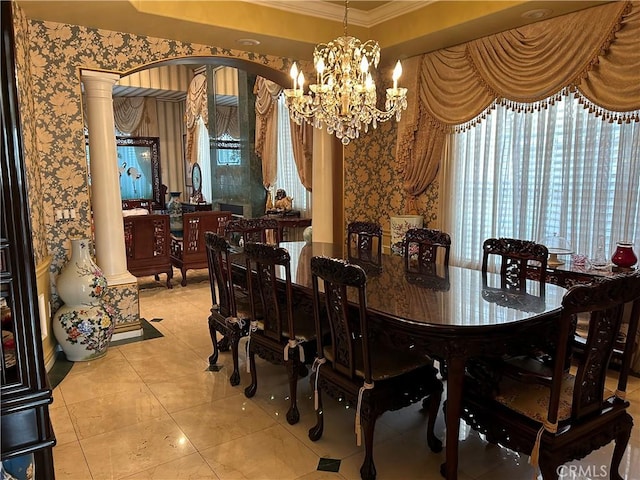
(452, 315)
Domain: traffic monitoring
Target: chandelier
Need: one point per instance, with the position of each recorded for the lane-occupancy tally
(344, 95)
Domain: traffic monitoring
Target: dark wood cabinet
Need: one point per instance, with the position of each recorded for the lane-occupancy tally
(25, 393)
(147, 241)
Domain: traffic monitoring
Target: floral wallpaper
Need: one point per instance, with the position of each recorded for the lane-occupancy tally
(50, 58)
(373, 184)
(29, 145)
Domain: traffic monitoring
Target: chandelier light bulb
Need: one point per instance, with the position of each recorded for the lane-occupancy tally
(364, 65)
(397, 72)
(294, 74)
(368, 83)
(301, 81)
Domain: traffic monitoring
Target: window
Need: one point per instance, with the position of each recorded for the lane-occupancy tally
(228, 149)
(559, 170)
(287, 177)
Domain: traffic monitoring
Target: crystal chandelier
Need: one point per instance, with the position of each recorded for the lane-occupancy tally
(344, 95)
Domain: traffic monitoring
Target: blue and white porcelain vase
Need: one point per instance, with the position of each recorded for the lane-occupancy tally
(83, 325)
(174, 207)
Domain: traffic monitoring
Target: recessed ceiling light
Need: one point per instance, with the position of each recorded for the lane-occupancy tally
(248, 41)
(536, 14)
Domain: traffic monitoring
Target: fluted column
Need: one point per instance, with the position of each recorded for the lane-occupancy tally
(105, 183)
(322, 187)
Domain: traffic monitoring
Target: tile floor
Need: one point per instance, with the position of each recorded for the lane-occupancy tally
(152, 410)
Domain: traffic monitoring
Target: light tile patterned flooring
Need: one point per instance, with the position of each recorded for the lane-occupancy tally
(152, 410)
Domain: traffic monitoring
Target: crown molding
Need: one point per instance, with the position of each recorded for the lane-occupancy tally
(331, 11)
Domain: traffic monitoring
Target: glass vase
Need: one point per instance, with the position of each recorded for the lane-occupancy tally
(83, 325)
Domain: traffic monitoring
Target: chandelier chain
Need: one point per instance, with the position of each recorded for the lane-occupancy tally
(346, 12)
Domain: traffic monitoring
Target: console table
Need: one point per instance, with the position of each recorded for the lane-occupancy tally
(196, 207)
(286, 221)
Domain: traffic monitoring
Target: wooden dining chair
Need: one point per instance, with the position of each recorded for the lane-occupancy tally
(364, 242)
(261, 230)
(368, 373)
(280, 335)
(230, 311)
(421, 247)
(517, 260)
(576, 413)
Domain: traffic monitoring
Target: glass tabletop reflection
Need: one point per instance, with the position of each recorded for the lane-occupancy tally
(452, 296)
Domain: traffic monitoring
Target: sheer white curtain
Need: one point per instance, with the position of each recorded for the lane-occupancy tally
(203, 157)
(287, 172)
(531, 174)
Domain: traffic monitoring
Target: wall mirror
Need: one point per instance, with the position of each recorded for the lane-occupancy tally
(196, 182)
(139, 167)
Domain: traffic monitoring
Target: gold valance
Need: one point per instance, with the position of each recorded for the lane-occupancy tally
(594, 52)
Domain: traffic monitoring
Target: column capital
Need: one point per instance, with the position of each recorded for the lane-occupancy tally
(98, 84)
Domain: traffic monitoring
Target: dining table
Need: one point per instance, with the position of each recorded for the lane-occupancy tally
(452, 313)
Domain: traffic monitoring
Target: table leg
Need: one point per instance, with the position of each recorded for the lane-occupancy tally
(455, 379)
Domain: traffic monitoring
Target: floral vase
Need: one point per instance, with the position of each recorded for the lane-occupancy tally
(399, 226)
(83, 325)
(174, 207)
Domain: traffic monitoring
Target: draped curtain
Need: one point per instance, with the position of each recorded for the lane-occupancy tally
(593, 53)
(267, 93)
(196, 107)
(202, 156)
(134, 116)
(227, 122)
(267, 128)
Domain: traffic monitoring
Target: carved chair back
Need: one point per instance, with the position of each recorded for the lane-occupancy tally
(265, 289)
(220, 278)
(257, 230)
(515, 258)
(347, 324)
(421, 246)
(604, 301)
(575, 413)
(364, 242)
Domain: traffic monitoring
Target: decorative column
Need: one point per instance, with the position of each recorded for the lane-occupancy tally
(322, 186)
(105, 182)
(122, 291)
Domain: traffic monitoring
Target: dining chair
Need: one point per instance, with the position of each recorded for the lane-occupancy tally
(364, 242)
(421, 247)
(576, 413)
(423, 263)
(281, 335)
(261, 230)
(230, 311)
(368, 373)
(517, 259)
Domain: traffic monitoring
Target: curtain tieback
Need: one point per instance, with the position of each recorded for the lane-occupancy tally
(317, 363)
(293, 344)
(535, 452)
(366, 386)
(253, 326)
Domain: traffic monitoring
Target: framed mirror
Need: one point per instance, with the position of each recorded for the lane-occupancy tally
(139, 167)
(196, 182)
